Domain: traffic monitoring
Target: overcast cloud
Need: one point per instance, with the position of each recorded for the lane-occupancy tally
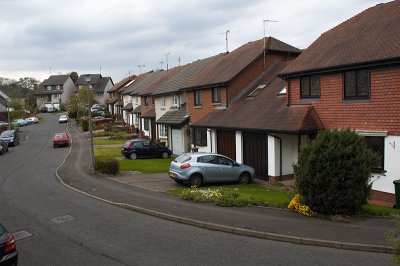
(119, 35)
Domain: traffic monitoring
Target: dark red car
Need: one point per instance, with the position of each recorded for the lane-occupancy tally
(61, 139)
(8, 248)
(101, 120)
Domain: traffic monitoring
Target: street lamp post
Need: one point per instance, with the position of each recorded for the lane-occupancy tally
(8, 114)
(92, 159)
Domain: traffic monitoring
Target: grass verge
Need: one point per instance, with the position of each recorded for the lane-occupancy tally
(107, 141)
(377, 210)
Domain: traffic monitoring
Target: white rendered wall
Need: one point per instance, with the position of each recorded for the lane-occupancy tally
(391, 164)
(289, 154)
(239, 146)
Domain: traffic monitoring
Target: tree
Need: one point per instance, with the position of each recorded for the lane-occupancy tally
(333, 172)
(78, 103)
(74, 75)
(28, 83)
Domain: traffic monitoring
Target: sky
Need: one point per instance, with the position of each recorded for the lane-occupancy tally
(118, 38)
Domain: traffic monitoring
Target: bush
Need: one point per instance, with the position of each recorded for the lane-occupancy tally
(84, 124)
(72, 114)
(110, 167)
(333, 172)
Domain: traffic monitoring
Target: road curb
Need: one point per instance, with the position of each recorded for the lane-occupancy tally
(230, 229)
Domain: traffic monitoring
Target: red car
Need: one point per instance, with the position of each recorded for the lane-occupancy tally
(61, 139)
(101, 120)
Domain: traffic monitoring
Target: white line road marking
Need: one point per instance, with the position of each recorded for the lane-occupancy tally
(21, 235)
(63, 219)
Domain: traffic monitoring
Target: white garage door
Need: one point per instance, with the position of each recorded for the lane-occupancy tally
(177, 142)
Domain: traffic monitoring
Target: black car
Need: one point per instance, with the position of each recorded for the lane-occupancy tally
(11, 136)
(144, 148)
(43, 109)
(8, 248)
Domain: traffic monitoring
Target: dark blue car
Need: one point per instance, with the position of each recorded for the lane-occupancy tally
(8, 248)
(144, 148)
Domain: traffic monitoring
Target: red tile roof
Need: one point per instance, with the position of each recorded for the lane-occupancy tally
(231, 64)
(265, 112)
(371, 36)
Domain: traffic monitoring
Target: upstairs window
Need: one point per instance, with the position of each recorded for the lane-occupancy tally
(377, 145)
(162, 101)
(58, 87)
(175, 100)
(216, 95)
(153, 100)
(49, 88)
(356, 84)
(137, 100)
(197, 98)
(146, 101)
(309, 87)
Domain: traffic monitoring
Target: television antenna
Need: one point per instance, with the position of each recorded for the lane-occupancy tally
(161, 64)
(226, 38)
(166, 58)
(265, 22)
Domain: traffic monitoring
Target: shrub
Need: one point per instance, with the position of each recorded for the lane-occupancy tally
(72, 114)
(333, 172)
(110, 167)
(84, 124)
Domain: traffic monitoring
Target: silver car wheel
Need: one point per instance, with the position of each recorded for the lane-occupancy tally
(165, 155)
(133, 156)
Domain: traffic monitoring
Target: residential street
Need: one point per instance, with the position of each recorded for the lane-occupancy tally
(68, 228)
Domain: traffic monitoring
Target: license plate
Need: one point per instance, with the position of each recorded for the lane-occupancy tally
(172, 175)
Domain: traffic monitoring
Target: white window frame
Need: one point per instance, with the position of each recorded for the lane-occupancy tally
(175, 100)
(162, 101)
(49, 88)
(58, 87)
(163, 129)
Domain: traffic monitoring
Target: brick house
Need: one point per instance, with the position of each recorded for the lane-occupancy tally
(172, 117)
(351, 77)
(258, 129)
(115, 101)
(225, 79)
(55, 90)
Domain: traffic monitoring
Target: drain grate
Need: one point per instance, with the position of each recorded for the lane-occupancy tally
(63, 219)
(21, 235)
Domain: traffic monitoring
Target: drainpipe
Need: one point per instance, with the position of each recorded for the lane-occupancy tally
(211, 144)
(280, 154)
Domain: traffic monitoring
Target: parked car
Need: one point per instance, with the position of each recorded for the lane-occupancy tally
(19, 122)
(101, 120)
(8, 248)
(43, 109)
(3, 124)
(61, 139)
(3, 146)
(11, 136)
(144, 148)
(32, 120)
(52, 109)
(200, 167)
(63, 119)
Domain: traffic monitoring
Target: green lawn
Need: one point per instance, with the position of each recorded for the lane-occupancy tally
(146, 166)
(107, 141)
(266, 197)
(379, 210)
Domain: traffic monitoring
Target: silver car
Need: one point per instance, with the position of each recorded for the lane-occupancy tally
(198, 168)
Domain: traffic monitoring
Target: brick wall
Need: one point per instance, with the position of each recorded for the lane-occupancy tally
(382, 198)
(234, 87)
(381, 112)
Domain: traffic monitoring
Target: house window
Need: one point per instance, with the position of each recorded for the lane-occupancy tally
(216, 95)
(309, 87)
(199, 136)
(146, 124)
(98, 94)
(146, 101)
(163, 101)
(197, 98)
(137, 100)
(377, 145)
(58, 87)
(49, 88)
(136, 119)
(175, 100)
(163, 130)
(153, 100)
(356, 84)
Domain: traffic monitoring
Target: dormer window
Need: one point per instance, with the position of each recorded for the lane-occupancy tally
(58, 87)
(49, 88)
(216, 95)
(282, 92)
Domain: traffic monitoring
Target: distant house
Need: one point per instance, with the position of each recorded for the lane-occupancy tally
(98, 84)
(115, 102)
(350, 76)
(225, 79)
(3, 104)
(55, 90)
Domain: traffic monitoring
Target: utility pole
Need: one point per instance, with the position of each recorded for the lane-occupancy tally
(161, 63)
(226, 38)
(166, 58)
(265, 22)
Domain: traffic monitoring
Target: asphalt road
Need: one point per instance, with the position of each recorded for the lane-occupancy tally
(58, 226)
